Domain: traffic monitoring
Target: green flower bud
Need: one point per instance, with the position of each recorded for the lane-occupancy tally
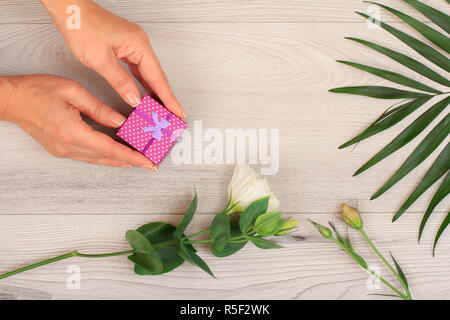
(351, 217)
(268, 223)
(324, 231)
(286, 227)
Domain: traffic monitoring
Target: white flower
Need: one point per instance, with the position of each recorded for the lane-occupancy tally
(247, 186)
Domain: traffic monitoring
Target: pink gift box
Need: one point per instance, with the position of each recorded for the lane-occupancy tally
(152, 129)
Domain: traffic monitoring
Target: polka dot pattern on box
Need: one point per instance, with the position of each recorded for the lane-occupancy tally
(139, 128)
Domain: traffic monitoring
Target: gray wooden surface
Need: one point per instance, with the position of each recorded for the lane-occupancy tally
(232, 64)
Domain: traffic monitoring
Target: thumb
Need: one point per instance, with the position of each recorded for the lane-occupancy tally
(121, 81)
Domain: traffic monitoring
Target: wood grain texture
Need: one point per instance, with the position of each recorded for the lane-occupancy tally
(271, 70)
(308, 267)
(274, 76)
(30, 11)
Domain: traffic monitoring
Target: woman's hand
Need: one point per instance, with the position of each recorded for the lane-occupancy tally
(104, 38)
(48, 108)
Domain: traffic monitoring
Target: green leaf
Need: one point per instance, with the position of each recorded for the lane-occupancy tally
(190, 256)
(391, 76)
(360, 260)
(158, 232)
(407, 135)
(149, 262)
(252, 212)
(425, 50)
(387, 120)
(228, 204)
(443, 226)
(423, 150)
(400, 272)
(431, 34)
(220, 232)
(138, 242)
(440, 194)
(438, 17)
(437, 170)
(268, 223)
(145, 255)
(347, 238)
(187, 217)
(264, 243)
(380, 92)
(234, 247)
(340, 238)
(406, 61)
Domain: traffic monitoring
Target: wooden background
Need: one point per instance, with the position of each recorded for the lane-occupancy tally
(232, 64)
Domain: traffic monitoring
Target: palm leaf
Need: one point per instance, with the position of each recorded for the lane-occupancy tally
(422, 151)
(438, 56)
(392, 76)
(403, 59)
(425, 50)
(437, 170)
(412, 131)
(387, 120)
(442, 192)
(438, 17)
(431, 34)
(443, 226)
(380, 92)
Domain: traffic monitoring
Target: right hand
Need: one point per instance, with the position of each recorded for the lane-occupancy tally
(49, 107)
(104, 38)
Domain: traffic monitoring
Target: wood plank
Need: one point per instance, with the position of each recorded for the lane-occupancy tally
(307, 267)
(280, 73)
(30, 11)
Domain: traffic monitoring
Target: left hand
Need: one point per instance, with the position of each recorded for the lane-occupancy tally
(49, 108)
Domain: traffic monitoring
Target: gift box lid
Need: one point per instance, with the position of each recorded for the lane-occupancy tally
(151, 129)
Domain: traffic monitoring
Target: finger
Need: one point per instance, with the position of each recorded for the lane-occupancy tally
(95, 109)
(110, 163)
(103, 162)
(135, 71)
(86, 155)
(107, 148)
(152, 72)
(120, 80)
(82, 154)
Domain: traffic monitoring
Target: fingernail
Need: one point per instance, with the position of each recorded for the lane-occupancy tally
(125, 165)
(118, 119)
(151, 168)
(132, 99)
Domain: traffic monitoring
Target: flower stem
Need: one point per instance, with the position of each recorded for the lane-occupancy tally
(378, 253)
(401, 295)
(165, 243)
(238, 241)
(71, 254)
(38, 264)
(200, 241)
(103, 255)
(197, 233)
